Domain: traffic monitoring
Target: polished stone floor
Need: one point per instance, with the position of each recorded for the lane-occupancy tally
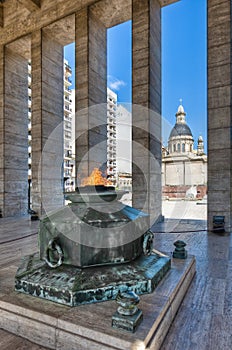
(204, 320)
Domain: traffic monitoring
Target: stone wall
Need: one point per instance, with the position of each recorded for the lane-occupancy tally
(184, 192)
(184, 172)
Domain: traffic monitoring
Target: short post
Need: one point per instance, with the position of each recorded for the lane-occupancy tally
(180, 252)
(128, 316)
(219, 224)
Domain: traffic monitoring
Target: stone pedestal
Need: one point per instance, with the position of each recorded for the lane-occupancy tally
(90, 326)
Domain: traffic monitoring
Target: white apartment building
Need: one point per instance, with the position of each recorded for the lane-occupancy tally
(69, 117)
(111, 135)
(118, 122)
(29, 123)
(69, 129)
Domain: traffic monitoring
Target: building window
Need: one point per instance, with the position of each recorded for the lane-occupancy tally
(174, 148)
(183, 147)
(178, 147)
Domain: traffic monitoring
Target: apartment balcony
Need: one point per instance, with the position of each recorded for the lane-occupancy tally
(111, 136)
(111, 172)
(110, 146)
(67, 117)
(68, 154)
(67, 81)
(111, 128)
(67, 90)
(110, 121)
(111, 158)
(111, 113)
(67, 135)
(67, 69)
(111, 164)
(111, 149)
(67, 127)
(67, 99)
(111, 103)
(67, 109)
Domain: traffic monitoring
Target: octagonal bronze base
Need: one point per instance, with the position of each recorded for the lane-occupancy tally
(74, 286)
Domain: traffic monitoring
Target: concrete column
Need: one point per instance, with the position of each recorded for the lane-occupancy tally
(1, 130)
(146, 120)
(15, 133)
(219, 111)
(47, 127)
(91, 93)
(36, 120)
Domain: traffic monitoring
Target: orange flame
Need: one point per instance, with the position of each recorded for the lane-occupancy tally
(95, 178)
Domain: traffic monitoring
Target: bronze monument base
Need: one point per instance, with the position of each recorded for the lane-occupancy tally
(74, 286)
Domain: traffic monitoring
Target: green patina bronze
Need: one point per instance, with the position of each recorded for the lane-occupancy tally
(180, 252)
(128, 316)
(91, 250)
(127, 323)
(94, 229)
(70, 285)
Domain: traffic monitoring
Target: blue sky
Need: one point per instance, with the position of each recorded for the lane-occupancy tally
(119, 61)
(183, 62)
(184, 66)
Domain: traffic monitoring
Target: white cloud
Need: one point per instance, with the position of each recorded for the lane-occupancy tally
(115, 84)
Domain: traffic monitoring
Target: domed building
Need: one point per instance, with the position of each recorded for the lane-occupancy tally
(184, 169)
(181, 138)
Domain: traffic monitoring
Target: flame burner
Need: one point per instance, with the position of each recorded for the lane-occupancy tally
(94, 193)
(96, 188)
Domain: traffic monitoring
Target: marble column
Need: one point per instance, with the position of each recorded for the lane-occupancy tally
(146, 97)
(91, 92)
(14, 131)
(219, 111)
(47, 126)
(1, 130)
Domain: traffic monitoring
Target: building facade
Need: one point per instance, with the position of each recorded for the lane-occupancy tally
(68, 133)
(69, 141)
(124, 148)
(184, 169)
(111, 135)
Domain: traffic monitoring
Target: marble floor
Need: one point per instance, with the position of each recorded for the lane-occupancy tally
(204, 320)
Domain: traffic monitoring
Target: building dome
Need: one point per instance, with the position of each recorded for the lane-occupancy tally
(180, 130)
(181, 138)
